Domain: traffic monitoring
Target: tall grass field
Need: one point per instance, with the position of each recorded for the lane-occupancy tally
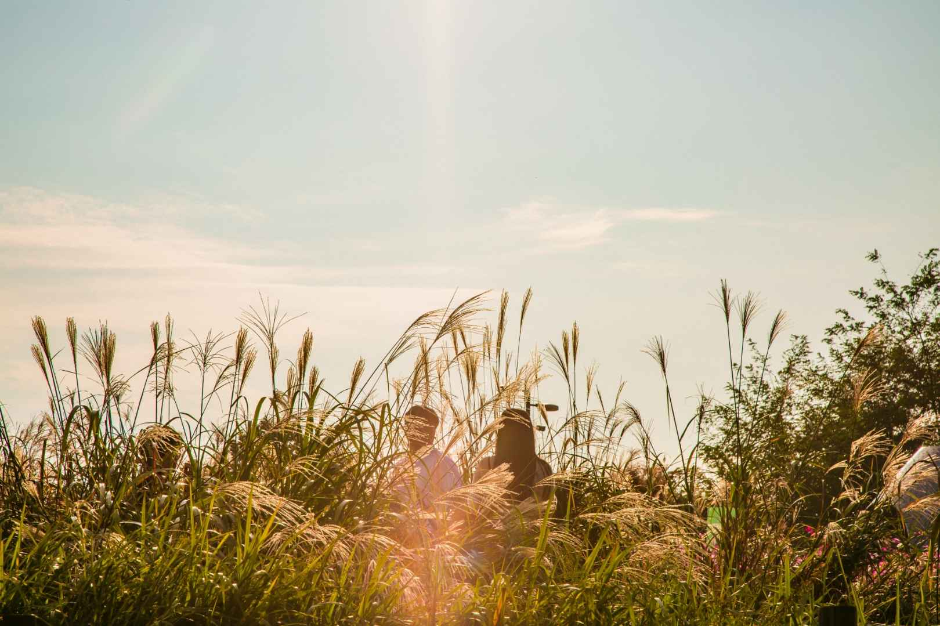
(130, 502)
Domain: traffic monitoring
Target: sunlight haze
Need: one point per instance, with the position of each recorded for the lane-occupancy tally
(363, 162)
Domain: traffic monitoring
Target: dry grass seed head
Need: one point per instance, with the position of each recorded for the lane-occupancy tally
(658, 350)
(264, 503)
(777, 326)
(309, 536)
(747, 308)
(71, 331)
(866, 386)
(723, 299)
(42, 336)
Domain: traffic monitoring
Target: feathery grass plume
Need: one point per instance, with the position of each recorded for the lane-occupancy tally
(777, 326)
(575, 342)
(871, 337)
(442, 367)
(589, 382)
(873, 444)
(313, 385)
(303, 354)
(306, 466)
(457, 320)
(238, 497)
(291, 385)
(155, 336)
(251, 355)
(407, 339)
(166, 390)
(559, 358)
(71, 332)
(526, 300)
(205, 354)
(455, 344)
(357, 372)
(566, 349)
(470, 360)
(726, 303)
(241, 347)
(41, 351)
(419, 380)
(266, 322)
(747, 308)
(41, 362)
(56, 397)
(236, 365)
(462, 315)
(159, 448)
(310, 537)
(501, 321)
(865, 387)
(724, 300)
(274, 359)
(99, 347)
(658, 350)
(42, 336)
(486, 343)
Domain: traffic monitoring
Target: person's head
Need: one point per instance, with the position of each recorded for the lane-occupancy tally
(515, 445)
(420, 426)
(515, 437)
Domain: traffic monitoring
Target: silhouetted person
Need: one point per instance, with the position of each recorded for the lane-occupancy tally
(434, 473)
(515, 446)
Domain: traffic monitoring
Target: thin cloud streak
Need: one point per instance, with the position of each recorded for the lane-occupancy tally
(557, 228)
(66, 232)
(667, 215)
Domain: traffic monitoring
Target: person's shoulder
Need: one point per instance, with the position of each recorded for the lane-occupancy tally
(486, 463)
(434, 458)
(483, 466)
(447, 461)
(543, 469)
(431, 456)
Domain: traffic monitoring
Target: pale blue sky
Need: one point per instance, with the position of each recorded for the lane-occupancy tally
(360, 160)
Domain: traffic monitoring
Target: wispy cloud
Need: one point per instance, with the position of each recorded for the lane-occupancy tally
(56, 231)
(554, 227)
(547, 226)
(69, 231)
(667, 215)
(74, 255)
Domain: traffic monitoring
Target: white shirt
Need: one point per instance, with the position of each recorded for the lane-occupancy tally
(434, 474)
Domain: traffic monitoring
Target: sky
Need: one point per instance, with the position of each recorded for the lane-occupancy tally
(361, 161)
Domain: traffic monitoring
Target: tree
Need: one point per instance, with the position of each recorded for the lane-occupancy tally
(901, 365)
(880, 370)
